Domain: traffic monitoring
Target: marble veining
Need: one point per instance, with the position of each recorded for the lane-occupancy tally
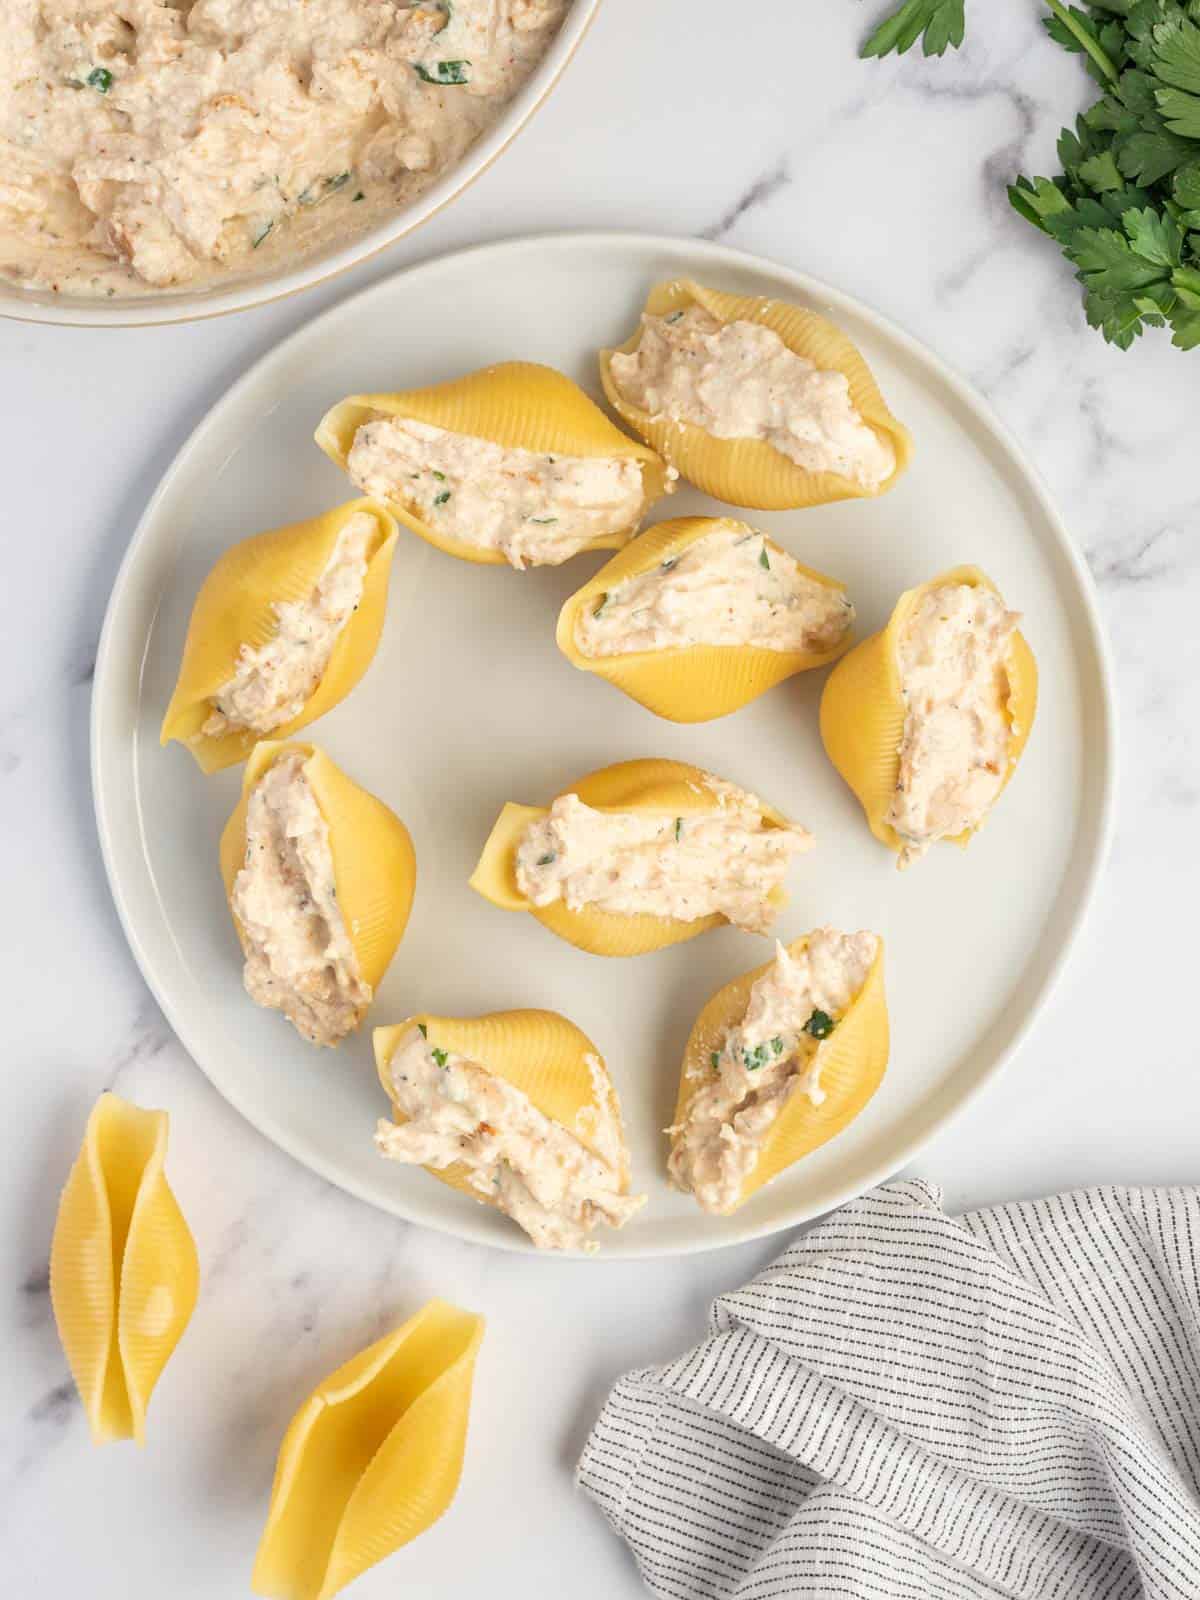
(886, 179)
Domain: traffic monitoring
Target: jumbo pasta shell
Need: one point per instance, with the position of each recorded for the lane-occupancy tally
(671, 787)
(862, 709)
(124, 1274)
(694, 683)
(541, 1054)
(518, 405)
(372, 1458)
(751, 472)
(236, 607)
(374, 865)
(852, 1063)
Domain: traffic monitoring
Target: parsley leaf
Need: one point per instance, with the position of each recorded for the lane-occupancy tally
(937, 23)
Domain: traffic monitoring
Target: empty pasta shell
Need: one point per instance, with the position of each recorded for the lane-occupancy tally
(540, 1053)
(517, 405)
(236, 607)
(372, 1458)
(123, 1268)
(751, 472)
(862, 709)
(374, 865)
(852, 1063)
(672, 788)
(692, 683)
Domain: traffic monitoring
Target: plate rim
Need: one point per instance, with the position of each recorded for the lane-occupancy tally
(719, 255)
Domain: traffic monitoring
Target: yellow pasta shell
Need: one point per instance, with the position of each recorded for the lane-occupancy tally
(751, 472)
(236, 607)
(374, 865)
(124, 1274)
(540, 1053)
(518, 405)
(693, 683)
(862, 708)
(852, 1063)
(372, 1458)
(651, 785)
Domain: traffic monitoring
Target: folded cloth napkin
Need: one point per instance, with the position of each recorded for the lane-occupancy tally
(908, 1404)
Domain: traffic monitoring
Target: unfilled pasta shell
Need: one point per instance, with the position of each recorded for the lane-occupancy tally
(374, 865)
(853, 1060)
(694, 683)
(236, 607)
(751, 472)
(540, 1053)
(124, 1274)
(518, 405)
(670, 787)
(372, 1458)
(862, 708)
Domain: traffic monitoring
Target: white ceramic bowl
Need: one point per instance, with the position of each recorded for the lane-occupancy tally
(253, 289)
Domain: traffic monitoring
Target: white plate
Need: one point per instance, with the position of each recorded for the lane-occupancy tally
(255, 286)
(469, 704)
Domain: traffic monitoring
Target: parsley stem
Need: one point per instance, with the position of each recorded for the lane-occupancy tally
(1087, 43)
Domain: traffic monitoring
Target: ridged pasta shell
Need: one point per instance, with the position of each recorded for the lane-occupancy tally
(751, 472)
(236, 606)
(862, 709)
(374, 865)
(124, 1274)
(853, 1060)
(540, 1053)
(695, 683)
(671, 787)
(518, 405)
(372, 1458)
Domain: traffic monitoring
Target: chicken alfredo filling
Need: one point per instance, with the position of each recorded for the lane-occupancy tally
(954, 752)
(773, 1053)
(535, 1170)
(738, 380)
(299, 957)
(274, 682)
(537, 510)
(726, 588)
(728, 860)
(151, 145)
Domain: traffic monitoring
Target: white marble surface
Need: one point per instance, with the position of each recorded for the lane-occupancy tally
(756, 125)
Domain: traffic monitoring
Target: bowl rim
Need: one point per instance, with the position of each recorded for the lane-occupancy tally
(150, 310)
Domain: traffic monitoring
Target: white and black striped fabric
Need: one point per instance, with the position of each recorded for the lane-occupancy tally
(912, 1406)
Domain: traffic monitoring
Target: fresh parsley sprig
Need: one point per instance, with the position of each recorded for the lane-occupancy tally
(1125, 210)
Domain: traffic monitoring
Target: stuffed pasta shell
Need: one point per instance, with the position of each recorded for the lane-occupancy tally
(927, 720)
(284, 626)
(320, 877)
(701, 615)
(755, 401)
(513, 463)
(779, 1061)
(641, 855)
(515, 1109)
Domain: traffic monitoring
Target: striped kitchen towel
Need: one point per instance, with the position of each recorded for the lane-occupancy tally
(912, 1406)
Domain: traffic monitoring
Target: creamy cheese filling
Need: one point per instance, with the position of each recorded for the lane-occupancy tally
(299, 957)
(536, 1171)
(738, 380)
(537, 510)
(274, 682)
(149, 145)
(726, 588)
(953, 660)
(727, 860)
(773, 1053)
